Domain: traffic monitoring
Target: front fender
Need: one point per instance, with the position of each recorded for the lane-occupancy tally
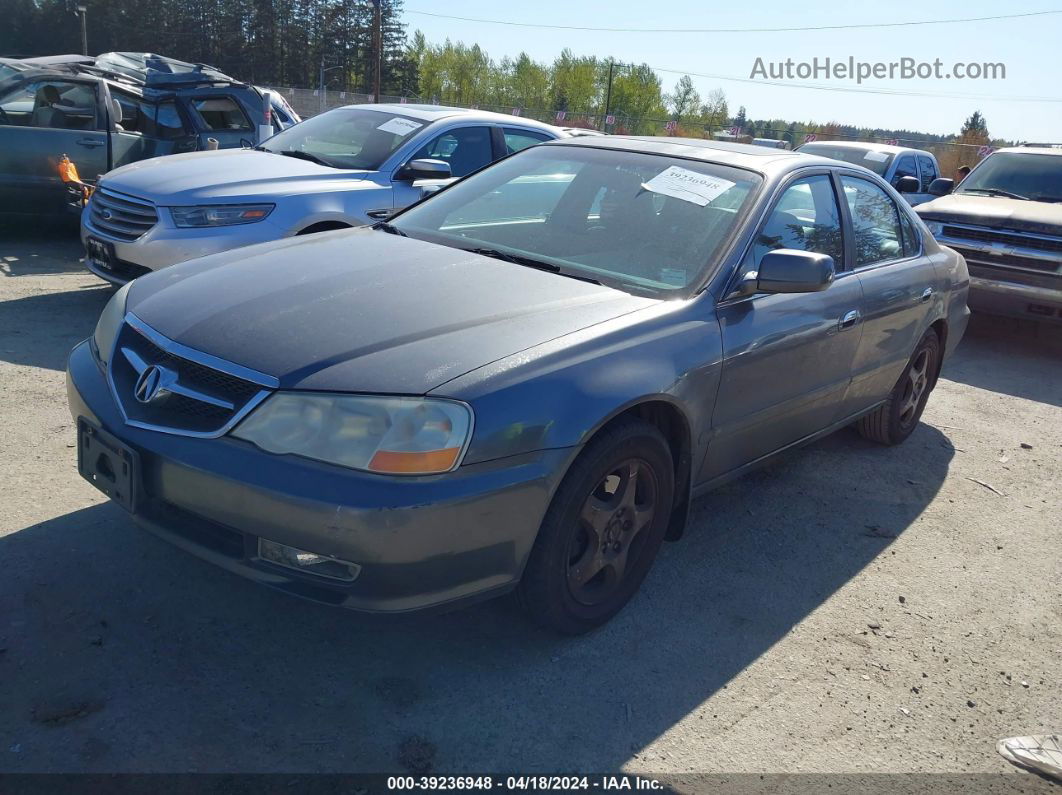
(560, 393)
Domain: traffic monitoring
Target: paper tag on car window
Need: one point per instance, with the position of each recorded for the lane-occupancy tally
(877, 157)
(690, 186)
(400, 126)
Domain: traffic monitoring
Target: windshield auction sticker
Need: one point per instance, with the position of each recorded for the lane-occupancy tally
(681, 183)
(400, 126)
(878, 157)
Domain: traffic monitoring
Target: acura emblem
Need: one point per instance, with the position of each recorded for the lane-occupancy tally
(153, 383)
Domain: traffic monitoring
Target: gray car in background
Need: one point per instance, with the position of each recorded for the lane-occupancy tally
(519, 383)
(892, 163)
(347, 167)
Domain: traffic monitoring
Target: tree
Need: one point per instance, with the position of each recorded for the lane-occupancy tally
(684, 102)
(714, 112)
(975, 127)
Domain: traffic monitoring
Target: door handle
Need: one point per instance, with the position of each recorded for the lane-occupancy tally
(927, 294)
(90, 142)
(380, 215)
(849, 319)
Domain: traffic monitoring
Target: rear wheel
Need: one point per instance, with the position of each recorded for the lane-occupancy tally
(894, 420)
(602, 531)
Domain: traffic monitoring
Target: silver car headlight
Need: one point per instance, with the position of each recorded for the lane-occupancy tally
(386, 435)
(935, 228)
(109, 324)
(220, 214)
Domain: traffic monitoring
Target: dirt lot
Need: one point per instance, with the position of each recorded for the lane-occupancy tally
(852, 608)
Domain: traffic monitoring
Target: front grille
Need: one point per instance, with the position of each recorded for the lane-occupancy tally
(1006, 238)
(1009, 261)
(180, 395)
(122, 217)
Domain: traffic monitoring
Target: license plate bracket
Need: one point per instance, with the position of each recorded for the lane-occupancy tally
(107, 464)
(100, 253)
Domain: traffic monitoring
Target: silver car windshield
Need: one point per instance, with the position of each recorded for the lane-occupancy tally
(346, 138)
(876, 161)
(640, 222)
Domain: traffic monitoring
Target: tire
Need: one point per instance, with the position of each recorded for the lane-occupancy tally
(602, 531)
(893, 421)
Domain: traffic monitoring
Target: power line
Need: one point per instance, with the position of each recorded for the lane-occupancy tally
(858, 90)
(909, 23)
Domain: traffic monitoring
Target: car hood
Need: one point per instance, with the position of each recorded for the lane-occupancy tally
(365, 311)
(994, 211)
(226, 175)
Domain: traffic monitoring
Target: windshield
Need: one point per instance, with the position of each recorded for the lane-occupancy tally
(1017, 174)
(347, 137)
(876, 161)
(640, 222)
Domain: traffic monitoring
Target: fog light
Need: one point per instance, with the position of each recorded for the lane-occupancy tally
(309, 562)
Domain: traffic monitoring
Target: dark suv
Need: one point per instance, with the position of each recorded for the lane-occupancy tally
(114, 110)
(1005, 218)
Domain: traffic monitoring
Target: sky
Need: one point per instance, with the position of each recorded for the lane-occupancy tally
(1029, 48)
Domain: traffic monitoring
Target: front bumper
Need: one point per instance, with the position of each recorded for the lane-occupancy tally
(164, 245)
(1014, 299)
(421, 542)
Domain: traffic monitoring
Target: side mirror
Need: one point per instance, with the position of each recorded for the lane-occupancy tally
(908, 185)
(425, 168)
(787, 270)
(941, 186)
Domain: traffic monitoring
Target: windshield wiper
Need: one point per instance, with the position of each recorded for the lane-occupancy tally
(303, 156)
(529, 262)
(391, 229)
(1049, 199)
(996, 192)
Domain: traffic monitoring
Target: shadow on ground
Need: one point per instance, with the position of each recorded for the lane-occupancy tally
(1012, 357)
(123, 653)
(29, 246)
(39, 330)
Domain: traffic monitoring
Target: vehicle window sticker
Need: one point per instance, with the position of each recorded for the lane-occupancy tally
(878, 157)
(689, 186)
(399, 126)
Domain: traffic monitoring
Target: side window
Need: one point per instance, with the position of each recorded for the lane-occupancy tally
(806, 218)
(221, 113)
(875, 222)
(929, 171)
(912, 240)
(168, 122)
(52, 104)
(465, 149)
(905, 167)
(154, 120)
(515, 140)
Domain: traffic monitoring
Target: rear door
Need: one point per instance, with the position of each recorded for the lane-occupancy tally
(41, 119)
(787, 358)
(899, 287)
(219, 116)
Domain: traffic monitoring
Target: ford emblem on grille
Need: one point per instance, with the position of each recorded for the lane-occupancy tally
(106, 215)
(153, 382)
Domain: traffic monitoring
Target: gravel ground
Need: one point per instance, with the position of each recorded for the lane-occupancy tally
(851, 608)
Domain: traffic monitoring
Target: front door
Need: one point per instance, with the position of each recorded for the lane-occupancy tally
(787, 358)
(40, 121)
(899, 288)
(466, 149)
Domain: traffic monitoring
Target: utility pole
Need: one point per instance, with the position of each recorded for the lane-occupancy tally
(608, 94)
(82, 11)
(377, 49)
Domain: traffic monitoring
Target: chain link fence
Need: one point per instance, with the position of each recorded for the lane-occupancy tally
(309, 102)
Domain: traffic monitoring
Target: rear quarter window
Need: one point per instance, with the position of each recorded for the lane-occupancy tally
(221, 113)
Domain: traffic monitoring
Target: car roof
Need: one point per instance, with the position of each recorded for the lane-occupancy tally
(1046, 149)
(870, 146)
(435, 112)
(756, 158)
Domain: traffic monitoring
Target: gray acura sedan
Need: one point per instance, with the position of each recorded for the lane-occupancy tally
(519, 383)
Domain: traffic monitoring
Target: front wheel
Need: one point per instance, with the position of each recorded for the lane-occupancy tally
(896, 418)
(602, 530)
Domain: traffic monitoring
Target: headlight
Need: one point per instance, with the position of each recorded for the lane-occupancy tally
(109, 324)
(935, 228)
(220, 215)
(388, 435)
